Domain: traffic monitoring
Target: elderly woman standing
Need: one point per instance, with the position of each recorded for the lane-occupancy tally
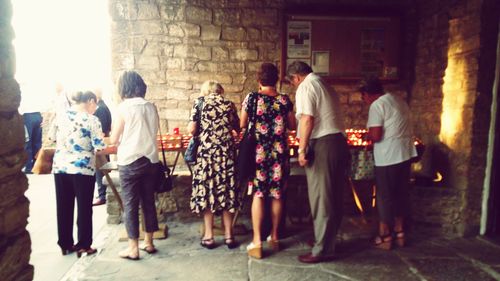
(134, 132)
(389, 127)
(273, 115)
(214, 183)
(78, 136)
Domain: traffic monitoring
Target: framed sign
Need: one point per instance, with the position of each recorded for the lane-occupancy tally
(343, 46)
(298, 39)
(321, 62)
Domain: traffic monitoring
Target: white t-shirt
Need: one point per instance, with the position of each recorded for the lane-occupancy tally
(314, 98)
(396, 145)
(139, 133)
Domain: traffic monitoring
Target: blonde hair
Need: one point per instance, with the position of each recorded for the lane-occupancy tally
(210, 87)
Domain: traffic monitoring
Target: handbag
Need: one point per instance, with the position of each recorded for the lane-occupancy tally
(362, 165)
(164, 179)
(43, 162)
(245, 163)
(164, 182)
(192, 148)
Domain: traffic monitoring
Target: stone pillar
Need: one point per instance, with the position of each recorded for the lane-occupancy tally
(451, 102)
(15, 244)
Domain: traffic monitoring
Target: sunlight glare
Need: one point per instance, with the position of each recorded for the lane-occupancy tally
(63, 41)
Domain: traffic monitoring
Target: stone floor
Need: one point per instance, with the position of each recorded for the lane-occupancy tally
(180, 256)
(45, 254)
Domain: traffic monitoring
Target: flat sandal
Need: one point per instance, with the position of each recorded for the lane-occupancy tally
(399, 238)
(383, 242)
(208, 243)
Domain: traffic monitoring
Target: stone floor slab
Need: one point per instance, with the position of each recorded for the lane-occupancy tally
(449, 269)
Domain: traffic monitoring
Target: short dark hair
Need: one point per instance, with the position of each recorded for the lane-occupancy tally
(371, 85)
(83, 97)
(267, 75)
(131, 85)
(298, 67)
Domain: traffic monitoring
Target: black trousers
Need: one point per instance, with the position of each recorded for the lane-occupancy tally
(69, 187)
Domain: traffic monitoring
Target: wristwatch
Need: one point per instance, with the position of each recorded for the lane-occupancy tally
(301, 151)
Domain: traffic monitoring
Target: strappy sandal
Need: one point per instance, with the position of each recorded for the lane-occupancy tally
(383, 242)
(208, 243)
(399, 238)
(254, 251)
(150, 249)
(273, 244)
(230, 242)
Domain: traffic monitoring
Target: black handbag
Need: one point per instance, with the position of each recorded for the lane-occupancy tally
(245, 163)
(163, 176)
(192, 149)
(164, 179)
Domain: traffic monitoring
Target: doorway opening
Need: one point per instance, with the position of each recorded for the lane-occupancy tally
(58, 41)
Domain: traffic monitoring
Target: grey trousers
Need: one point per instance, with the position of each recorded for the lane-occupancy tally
(138, 184)
(326, 180)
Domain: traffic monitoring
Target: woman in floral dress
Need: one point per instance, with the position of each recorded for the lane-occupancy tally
(273, 115)
(214, 184)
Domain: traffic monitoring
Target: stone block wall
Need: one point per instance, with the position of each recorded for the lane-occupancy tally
(450, 109)
(15, 244)
(176, 45)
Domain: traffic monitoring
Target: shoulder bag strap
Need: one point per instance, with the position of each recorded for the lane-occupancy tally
(198, 121)
(251, 115)
(161, 140)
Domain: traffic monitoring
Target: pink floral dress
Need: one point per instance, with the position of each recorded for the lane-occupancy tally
(272, 154)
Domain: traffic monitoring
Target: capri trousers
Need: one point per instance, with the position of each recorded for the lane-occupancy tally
(392, 191)
(138, 185)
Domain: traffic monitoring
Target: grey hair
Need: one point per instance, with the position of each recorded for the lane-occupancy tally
(83, 97)
(299, 67)
(210, 87)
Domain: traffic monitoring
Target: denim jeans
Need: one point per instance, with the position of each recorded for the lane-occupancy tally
(33, 124)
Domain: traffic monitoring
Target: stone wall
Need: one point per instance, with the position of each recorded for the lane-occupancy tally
(15, 244)
(178, 44)
(451, 113)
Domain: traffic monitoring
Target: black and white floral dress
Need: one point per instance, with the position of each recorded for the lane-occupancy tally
(214, 183)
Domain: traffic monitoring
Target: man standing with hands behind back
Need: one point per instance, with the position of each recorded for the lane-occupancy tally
(324, 154)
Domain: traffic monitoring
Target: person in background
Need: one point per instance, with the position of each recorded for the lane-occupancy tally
(31, 108)
(324, 153)
(104, 116)
(78, 137)
(214, 187)
(273, 115)
(60, 103)
(134, 132)
(389, 128)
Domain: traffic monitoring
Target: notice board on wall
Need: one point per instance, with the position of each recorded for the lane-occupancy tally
(344, 47)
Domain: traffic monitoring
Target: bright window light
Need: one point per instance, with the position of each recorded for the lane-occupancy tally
(65, 41)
